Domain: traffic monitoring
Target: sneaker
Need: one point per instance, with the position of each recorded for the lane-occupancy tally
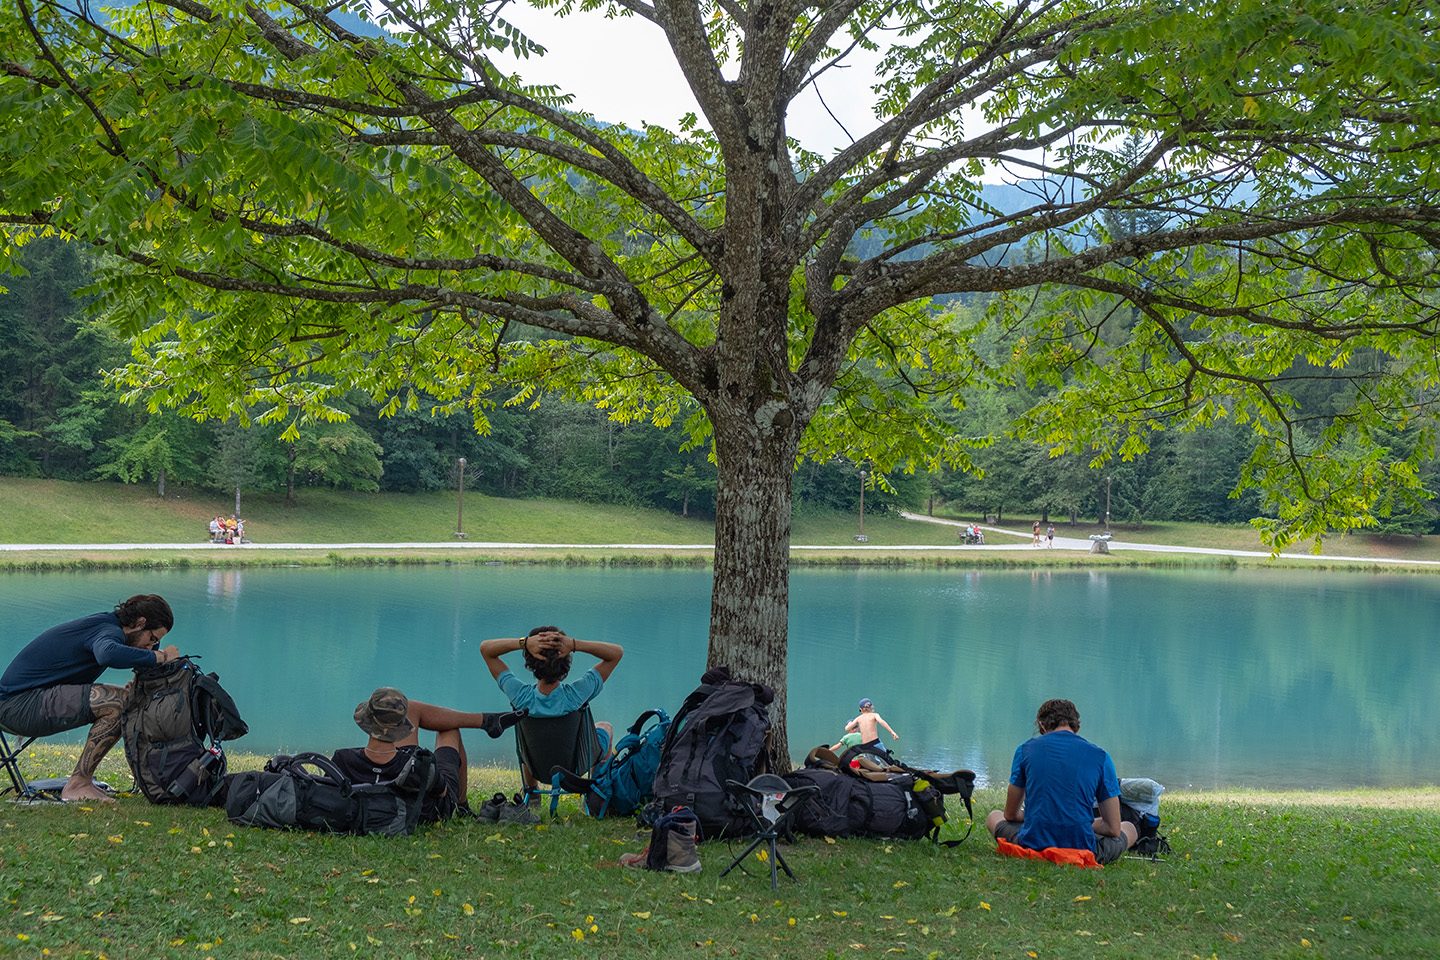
(497, 723)
(490, 809)
(518, 812)
(680, 853)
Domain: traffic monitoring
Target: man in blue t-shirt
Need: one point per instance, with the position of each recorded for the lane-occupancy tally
(548, 654)
(50, 685)
(1056, 781)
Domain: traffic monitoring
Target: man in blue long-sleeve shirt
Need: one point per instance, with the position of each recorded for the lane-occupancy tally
(50, 685)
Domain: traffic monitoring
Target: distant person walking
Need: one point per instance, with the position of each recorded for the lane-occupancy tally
(1035, 534)
(1050, 536)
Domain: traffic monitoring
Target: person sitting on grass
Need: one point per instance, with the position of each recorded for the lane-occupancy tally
(548, 654)
(1056, 780)
(50, 685)
(393, 722)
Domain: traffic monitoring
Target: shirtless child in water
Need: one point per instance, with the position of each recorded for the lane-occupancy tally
(868, 724)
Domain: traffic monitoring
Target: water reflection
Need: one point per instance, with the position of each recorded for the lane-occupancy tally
(1215, 678)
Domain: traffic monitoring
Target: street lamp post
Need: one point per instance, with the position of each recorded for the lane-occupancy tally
(862, 503)
(1107, 504)
(460, 503)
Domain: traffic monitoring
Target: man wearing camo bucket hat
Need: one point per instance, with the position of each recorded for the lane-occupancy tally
(393, 722)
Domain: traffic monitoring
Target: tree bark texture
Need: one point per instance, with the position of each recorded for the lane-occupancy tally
(750, 602)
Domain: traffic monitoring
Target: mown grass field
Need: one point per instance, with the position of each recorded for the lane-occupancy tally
(1289, 876)
(52, 511)
(57, 512)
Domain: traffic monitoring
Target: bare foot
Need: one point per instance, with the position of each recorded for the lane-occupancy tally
(80, 788)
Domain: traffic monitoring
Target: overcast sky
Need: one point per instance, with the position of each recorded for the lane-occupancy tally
(623, 72)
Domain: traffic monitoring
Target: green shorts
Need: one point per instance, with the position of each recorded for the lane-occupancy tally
(46, 710)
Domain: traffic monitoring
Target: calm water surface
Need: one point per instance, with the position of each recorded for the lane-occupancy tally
(1205, 679)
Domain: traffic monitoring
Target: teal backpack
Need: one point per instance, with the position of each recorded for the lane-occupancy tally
(624, 782)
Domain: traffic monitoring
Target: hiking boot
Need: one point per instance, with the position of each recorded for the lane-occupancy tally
(680, 853)
(517, 811)
(490, 809)
(497, 723)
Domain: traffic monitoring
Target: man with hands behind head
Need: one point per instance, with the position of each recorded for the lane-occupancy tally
(50, 685)
(549, 652)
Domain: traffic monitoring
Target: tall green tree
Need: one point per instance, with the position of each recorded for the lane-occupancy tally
(51, 358)
(300, 211)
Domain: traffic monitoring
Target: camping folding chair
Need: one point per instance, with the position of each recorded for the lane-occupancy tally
(10, 751)
(771, 803)
(548, 747)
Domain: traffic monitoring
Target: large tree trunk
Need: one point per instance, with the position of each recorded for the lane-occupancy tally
(750, 602)
(161, 483)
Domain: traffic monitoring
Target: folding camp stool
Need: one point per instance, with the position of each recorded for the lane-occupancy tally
(10, 751)
(771, 803)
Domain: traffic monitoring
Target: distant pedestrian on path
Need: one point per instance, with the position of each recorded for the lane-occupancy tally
(1035, 534)
(1050, 536)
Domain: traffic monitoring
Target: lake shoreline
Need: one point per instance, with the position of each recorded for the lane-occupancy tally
(60, 558)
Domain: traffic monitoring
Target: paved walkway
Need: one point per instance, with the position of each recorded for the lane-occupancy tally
(1021, 542)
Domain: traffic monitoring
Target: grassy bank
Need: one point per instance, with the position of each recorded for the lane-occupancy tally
(56, 512)
(53, 511)
(1251, 876)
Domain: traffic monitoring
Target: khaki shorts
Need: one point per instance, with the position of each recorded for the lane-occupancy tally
(46, 710)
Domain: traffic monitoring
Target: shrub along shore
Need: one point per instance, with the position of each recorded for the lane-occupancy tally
(1252, 875)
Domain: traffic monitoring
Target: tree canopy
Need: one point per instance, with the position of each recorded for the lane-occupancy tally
(1229, 200)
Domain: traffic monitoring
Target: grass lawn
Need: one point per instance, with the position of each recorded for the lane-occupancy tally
(1251, 876)
(53, 511)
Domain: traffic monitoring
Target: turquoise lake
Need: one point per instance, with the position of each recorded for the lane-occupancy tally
(1197, 679)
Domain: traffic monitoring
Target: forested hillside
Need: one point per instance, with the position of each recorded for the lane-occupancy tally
(60, 419)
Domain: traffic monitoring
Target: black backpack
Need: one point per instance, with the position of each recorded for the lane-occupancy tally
(309, 792)
(173, 727)
(718, 734)
(867, 792)
(849, 806)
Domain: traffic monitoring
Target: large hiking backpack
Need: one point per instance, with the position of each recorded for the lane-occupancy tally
(848, 806)
(309, 792)
(625, 780)
(718, 734)
(173, 727)
(867, 792)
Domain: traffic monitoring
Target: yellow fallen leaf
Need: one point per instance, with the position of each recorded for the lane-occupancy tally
(1305, 943)
(641, 914)
(578, 934)
(468, 909)
(96, 879)
(1031, 953)
(299, 919)
(840, 913)
(984, 905)
(830, 840)
(754, 918)
(899, 883)
(1082, 898)
(791, 921)
(762, 855)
